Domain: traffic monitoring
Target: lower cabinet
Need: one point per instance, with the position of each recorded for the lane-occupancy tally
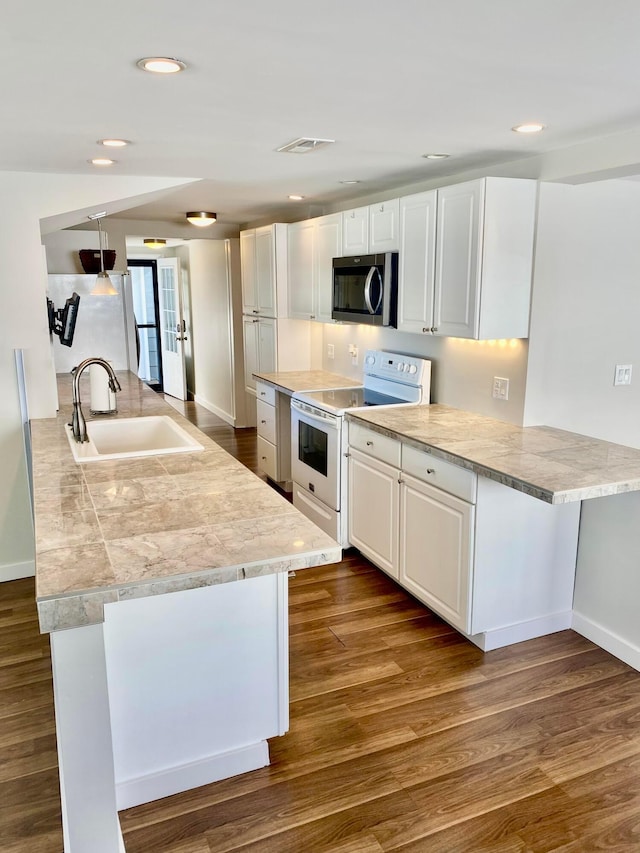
(274, 433)
(495, 563)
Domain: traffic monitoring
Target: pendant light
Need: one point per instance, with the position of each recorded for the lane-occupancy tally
(201, 218)
(104, 285)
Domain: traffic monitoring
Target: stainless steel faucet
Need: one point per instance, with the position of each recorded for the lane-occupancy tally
(78, 423)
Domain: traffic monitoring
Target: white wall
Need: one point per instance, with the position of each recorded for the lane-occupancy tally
(585, 319)
(585, 311)
(29, 198)
(462, 371)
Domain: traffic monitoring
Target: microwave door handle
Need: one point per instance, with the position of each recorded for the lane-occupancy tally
(367, 290)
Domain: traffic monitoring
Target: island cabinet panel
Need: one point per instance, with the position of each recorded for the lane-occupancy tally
(197, 683)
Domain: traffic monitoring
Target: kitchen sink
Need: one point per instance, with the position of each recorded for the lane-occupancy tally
(124, 438)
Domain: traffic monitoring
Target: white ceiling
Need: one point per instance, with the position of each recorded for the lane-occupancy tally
(388, 81)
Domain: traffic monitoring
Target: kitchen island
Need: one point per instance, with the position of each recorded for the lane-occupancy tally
(163, 583)
(478, 518)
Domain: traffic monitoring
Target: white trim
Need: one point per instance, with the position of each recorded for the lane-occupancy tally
(607, 640)
(15, 571)
(183, 777)
(214, 409)
(496, 639)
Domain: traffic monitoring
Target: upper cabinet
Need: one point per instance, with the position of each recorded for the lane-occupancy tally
(366, 230)
(264, 270)
(467, 273)
(312, 245)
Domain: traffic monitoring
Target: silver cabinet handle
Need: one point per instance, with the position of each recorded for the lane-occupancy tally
(434, 328)
(431, 470)
(426, 328)
(369, 444)
(263, 422)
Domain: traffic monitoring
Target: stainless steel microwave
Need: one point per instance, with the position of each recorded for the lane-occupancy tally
(365, 289)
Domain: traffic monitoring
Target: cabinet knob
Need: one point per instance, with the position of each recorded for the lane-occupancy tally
(426, 329)
(255, 311)
(369, 444)
(263, 422)
(431, 470)
(263, 457)
(312, 316)
(434, 328)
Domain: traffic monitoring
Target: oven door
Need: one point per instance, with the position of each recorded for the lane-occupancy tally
(315, 452)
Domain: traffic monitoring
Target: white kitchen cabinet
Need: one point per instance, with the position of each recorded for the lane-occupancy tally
(484, 258)
(312, 245)
(373, 510)
(371, 229)
(263, 261)
(274, 433)
(355, 231)
(436, 549)
(494, 562)
(259, 348)
(416, 263)
(384, 228)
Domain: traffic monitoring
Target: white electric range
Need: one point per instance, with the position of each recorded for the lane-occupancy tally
(319, 434)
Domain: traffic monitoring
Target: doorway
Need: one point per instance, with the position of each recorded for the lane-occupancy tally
(144, 289)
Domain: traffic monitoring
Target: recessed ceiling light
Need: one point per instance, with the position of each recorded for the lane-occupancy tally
(161, 64)
(154, 243)
(296, 197)
(531, 127)
(436, 156)
(101, 161)
(304, 145)
(114, 143)
(349, 182)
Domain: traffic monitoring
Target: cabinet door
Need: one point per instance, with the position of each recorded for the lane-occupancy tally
(250, 337)
(355, 231)
(300, 267)
(458, 269)
(436, 548)
(328, 246)
(373, 510)
(265, 272)
(248, 271)
(383, 226)
(416, 262)
(267, 360)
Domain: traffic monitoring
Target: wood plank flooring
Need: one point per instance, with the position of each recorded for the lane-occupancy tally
(403, 735)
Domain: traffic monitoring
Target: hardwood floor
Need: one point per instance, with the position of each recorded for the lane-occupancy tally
(403, 736)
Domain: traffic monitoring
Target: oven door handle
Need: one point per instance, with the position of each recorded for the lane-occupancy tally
(325, 420)
(367, 290)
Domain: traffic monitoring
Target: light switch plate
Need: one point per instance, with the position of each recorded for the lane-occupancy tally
(331, 353)
(622, 375)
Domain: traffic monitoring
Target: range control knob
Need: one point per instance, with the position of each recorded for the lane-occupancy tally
(413, 368)
(407, 368)
(399, 366)
(370, 359)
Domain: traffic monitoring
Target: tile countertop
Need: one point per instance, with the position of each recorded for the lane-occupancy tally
(549, 464)
(291, 381)
(121, 529)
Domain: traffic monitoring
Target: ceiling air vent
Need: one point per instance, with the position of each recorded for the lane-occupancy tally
(304, 145)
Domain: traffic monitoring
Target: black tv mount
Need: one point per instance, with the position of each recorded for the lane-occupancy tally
(62, 321)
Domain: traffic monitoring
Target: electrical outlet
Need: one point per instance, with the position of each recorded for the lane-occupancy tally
(500, 388)
(331, 353)
(623, 374)
(353, 351)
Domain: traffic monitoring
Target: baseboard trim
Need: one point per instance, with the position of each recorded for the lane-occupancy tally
(15, 571)
(183, 777)
(215, 410)
(607, 640)
(506, 636)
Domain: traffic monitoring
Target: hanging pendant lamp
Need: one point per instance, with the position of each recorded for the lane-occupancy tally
(104, 285)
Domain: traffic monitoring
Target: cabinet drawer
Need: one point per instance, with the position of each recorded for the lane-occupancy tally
(266, 416)
(268, 458)
(443, 475)
(379, 446)
(265, 392)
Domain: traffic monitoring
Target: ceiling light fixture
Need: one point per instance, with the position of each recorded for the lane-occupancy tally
(296, 197)
(201, 218)
(114, 143)
(436, 156)
(530, 127)
(101, 161)
(154, 243)
(349, 182)
(304, 145)
(104, 285)
(161, 64)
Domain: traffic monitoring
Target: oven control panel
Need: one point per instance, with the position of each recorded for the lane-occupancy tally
(409, 369)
